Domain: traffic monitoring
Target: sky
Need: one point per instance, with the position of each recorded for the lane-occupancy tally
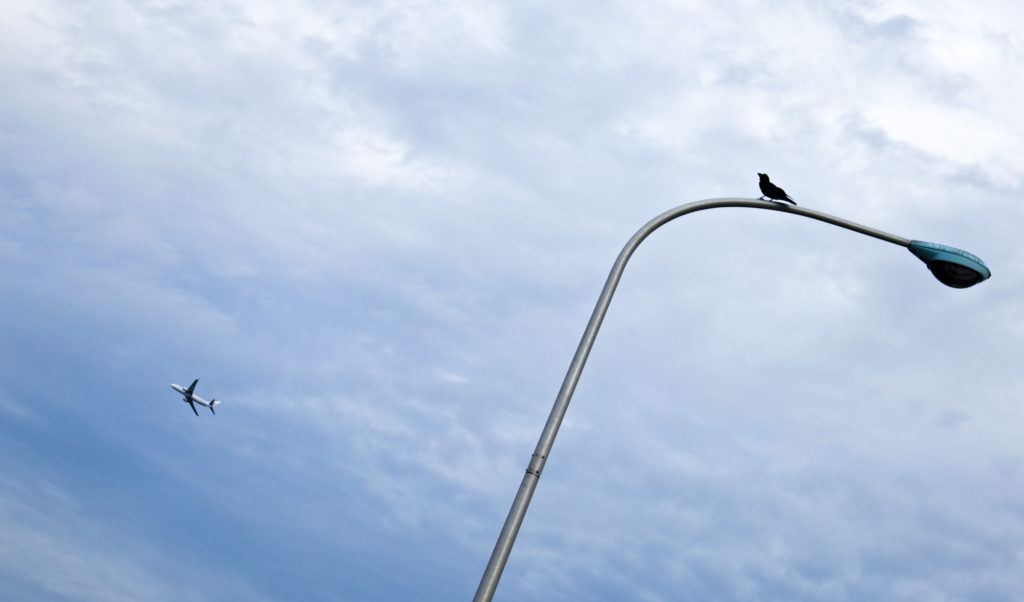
(376, 231)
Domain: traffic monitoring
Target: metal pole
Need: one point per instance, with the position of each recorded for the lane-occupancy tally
(503, 547)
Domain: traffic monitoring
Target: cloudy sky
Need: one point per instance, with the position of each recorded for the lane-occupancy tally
(376, 231)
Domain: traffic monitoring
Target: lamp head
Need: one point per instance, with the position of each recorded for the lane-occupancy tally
(951, 266)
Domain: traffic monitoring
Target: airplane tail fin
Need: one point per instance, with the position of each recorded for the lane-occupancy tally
(213, 402)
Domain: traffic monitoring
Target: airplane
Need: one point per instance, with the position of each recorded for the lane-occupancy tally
(190, 398)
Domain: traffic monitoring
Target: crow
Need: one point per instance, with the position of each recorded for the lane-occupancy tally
(772, 191)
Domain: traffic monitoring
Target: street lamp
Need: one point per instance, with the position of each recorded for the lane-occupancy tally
(951, 266)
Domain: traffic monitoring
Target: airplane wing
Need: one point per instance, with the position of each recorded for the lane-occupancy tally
(192, 404)
(191, 388)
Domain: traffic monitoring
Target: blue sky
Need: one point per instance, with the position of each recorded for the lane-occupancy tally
(376, 232)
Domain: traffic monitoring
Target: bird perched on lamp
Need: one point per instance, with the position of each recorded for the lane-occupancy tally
(772, 191)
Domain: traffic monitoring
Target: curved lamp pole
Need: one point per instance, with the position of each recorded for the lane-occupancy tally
(951, 266)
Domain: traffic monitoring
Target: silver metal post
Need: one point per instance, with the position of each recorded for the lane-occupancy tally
(503, 547)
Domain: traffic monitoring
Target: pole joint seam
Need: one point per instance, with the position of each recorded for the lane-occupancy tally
(536, 464)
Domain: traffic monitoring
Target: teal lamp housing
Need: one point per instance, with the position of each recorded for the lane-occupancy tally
(951, 266)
